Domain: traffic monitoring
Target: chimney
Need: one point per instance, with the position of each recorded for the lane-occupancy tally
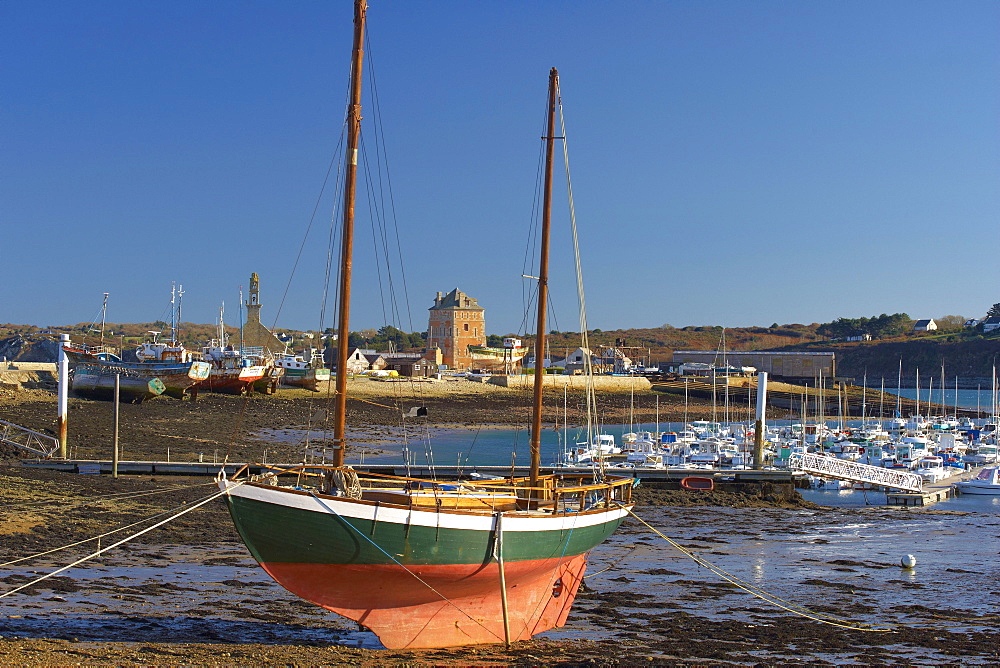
(437, 300)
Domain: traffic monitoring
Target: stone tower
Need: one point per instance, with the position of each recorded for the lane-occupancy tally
(254, 332)
(457, 321)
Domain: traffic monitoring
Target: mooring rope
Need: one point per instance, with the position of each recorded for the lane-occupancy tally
(120, 496)
(757, 591)
(93, 538)
(121, 542)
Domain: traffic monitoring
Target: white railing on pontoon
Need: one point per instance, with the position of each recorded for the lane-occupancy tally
(842, 469)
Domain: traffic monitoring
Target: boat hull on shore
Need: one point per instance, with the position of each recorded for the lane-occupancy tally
(421, 577)
(178, 378)
(98, 382)
(233, 380)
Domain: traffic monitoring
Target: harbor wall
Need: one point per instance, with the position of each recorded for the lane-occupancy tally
(614, 383)
(17, 375)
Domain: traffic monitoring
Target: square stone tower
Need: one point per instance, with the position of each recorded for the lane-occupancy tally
(457, 321)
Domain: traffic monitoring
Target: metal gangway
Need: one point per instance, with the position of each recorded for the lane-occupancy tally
(40, 444)
(843, 469)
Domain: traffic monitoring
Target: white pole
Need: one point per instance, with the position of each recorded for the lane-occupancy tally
(63, 401)
(114, 457)
(758, 434)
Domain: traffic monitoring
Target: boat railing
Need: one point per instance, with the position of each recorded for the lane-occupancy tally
(91, 349)
(561, 492)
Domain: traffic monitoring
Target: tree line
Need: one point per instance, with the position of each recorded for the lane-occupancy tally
(877, 326)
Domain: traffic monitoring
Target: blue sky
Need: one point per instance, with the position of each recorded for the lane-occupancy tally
(733, 163)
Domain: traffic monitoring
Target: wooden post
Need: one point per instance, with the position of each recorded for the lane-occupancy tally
(503, 581)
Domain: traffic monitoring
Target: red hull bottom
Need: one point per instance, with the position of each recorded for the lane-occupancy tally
(406, 613)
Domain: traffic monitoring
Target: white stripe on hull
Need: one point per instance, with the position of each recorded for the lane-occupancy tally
(444, 519)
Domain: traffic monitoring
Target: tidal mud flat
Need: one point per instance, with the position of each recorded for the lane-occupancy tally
(189, 593)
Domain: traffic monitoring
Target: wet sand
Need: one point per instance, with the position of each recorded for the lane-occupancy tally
(188, 593)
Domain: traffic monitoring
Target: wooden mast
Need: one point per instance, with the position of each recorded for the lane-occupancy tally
(347, 234)
(543, 281)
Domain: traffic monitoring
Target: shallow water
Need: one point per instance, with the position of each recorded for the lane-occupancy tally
(842, 561)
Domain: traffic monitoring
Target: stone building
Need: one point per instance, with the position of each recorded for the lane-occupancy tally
(456, 322)
(255, 334)
(804, 366)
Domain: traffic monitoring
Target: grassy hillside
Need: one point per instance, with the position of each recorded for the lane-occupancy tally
(662, 341)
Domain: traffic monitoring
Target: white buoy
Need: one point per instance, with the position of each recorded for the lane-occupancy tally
(909, 561)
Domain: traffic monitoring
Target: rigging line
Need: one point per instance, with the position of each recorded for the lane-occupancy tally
(552, 578)
(98, 537)
(597, 466)
(755, 591)
(332, 239)
(110, 497)
(375, 191)
(121, 542)
(531, 239)
(382, 215)
(379, 132)
(614, 563)
(401, 565)
(375, 222)
(237, 427)
(312, 219)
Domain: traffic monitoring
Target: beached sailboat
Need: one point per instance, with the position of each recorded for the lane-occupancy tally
(424, 563)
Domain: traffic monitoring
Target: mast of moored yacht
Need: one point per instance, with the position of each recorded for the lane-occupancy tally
(347, 233)
(104, 313)
(543, 281)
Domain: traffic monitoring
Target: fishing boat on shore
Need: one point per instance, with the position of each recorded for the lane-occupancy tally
(168, 368)
(162, 367)
(302, 372)
(233, 369)
(428, 563)
(98, 381)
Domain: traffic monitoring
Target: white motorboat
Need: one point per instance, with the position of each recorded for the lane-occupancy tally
(986, 482)
(931, 469)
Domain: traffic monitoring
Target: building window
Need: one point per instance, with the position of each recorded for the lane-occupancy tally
(466, 327)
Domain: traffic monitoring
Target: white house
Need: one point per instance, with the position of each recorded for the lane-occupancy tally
(927, 325)
(991, 323)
